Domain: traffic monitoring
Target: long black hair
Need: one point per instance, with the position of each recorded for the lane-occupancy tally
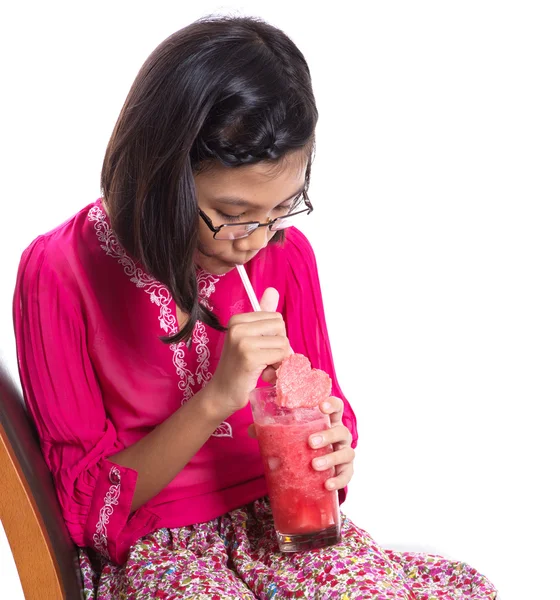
(232, 89)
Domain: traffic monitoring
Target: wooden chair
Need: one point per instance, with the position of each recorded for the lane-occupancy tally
(46, 558)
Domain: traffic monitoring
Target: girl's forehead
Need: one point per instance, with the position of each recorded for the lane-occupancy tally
(253, 180)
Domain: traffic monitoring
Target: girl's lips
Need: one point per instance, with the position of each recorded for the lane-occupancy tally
(230, 264)
(234, 264)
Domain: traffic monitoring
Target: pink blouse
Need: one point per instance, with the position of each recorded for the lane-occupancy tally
(97, 378)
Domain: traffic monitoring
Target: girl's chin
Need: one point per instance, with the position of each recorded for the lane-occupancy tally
(219, 270)
(212, 265)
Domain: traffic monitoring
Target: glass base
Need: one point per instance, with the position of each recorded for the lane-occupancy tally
(308, 541)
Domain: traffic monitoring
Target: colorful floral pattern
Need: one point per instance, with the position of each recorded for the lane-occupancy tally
(235, 557)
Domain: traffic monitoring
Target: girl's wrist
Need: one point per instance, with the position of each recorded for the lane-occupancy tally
(211, 402)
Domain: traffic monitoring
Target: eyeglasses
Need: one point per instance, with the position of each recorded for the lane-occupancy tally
(236, 231)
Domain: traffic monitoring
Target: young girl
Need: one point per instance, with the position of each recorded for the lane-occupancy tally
(138, 347)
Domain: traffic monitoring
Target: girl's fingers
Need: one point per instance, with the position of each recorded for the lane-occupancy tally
(342, 479)
(270, 299)
(258, 342)
(334, 407)
(269, 356)
(272, 327)
(333, 459)
(339, 434)
(269, 375)
(254, 317)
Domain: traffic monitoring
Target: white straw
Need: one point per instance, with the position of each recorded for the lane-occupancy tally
(248, 287)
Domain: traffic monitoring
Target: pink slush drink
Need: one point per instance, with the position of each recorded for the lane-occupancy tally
(306, 514)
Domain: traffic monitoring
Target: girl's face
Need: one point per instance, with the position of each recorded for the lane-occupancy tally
(235, 195)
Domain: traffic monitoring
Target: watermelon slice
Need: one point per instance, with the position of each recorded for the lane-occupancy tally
(299, 386)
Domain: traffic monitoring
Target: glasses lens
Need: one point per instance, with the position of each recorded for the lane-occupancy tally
(235, 232)
(288, 221)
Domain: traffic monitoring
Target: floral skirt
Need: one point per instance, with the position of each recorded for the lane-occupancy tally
(236, 557)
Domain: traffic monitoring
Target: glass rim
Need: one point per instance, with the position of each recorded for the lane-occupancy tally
(256, 224)
(249, 230)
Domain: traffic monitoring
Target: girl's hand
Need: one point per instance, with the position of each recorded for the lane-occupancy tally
(342, 457)
(254, 342)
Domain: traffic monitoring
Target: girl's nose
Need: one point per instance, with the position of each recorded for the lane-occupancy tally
(254, 242)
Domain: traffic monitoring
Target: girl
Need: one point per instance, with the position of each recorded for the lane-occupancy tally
(138, 348)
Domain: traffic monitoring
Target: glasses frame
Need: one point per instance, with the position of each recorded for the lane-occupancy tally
(307, 210)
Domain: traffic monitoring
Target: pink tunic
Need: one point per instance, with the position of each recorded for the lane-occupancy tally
(97, 378)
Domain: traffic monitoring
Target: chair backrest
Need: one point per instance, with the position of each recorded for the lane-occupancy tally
(46, 558)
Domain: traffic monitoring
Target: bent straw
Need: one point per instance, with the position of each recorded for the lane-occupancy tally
(248, 287)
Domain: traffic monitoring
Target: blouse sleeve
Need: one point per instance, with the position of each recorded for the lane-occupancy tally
(65, 403)
(304, 315)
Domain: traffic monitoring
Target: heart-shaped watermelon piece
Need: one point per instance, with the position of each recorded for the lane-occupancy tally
(298, 385)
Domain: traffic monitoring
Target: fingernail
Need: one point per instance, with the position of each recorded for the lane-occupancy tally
(326, 405)
(330, 485)
(320, 462)
(316, 440)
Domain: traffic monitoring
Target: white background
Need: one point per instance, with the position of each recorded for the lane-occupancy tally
(436, 186)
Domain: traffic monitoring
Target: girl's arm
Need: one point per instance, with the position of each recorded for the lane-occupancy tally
(253, 341)
(95, 476)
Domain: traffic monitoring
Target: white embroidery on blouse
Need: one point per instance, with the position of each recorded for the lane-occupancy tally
(206, 287)
(111, 499)
(160, 296)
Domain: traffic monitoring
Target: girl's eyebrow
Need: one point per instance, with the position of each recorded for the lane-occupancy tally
(241, 202)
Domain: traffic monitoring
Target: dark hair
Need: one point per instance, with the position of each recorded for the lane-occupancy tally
(232, 89)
